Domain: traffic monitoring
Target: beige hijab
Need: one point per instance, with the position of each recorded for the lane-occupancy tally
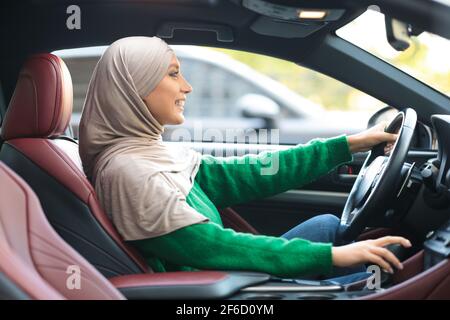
(141, 182)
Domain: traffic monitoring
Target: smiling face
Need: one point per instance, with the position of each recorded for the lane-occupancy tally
(166, 101)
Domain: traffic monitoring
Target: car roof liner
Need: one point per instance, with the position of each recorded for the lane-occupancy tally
(228, 22)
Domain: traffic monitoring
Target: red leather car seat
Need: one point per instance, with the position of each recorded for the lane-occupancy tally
(34, 257)
(35, 148)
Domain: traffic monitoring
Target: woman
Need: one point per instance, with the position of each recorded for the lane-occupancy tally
(163, 200)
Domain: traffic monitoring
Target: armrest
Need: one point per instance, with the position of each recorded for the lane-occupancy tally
(185, 285)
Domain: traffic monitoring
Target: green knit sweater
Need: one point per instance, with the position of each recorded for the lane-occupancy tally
(223, 182)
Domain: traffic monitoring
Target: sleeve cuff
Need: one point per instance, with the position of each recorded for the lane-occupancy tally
(324, 259)
(339, 150)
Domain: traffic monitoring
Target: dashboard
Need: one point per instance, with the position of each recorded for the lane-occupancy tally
(424, 137)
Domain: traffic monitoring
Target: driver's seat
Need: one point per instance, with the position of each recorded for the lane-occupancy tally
(35, 148)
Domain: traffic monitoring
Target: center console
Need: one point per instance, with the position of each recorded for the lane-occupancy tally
(292, 289)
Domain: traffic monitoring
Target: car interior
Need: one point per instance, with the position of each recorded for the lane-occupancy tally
(51, 218)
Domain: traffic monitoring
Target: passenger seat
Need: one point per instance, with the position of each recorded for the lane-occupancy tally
(34, 258)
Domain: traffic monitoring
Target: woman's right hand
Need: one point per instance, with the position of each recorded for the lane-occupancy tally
(369, 251)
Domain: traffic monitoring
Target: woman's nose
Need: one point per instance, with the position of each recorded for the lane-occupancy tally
(187, 88)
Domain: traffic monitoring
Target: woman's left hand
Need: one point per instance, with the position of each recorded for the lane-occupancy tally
(364, 141)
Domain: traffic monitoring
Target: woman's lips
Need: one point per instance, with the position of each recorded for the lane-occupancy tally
(180, 104)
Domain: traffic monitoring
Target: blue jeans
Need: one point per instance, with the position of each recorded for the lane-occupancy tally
(324, 228)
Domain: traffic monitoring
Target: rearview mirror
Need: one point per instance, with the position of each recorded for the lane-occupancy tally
(399, 33)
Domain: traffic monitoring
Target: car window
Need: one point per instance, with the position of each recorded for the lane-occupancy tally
(426, 59)
(246, 92)
(216, 89)
(81, 70)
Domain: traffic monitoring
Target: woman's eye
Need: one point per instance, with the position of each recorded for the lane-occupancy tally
(174, 74)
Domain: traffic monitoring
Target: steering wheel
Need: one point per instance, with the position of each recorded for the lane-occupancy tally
(378, 179)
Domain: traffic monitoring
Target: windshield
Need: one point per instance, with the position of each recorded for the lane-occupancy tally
(426, 59)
